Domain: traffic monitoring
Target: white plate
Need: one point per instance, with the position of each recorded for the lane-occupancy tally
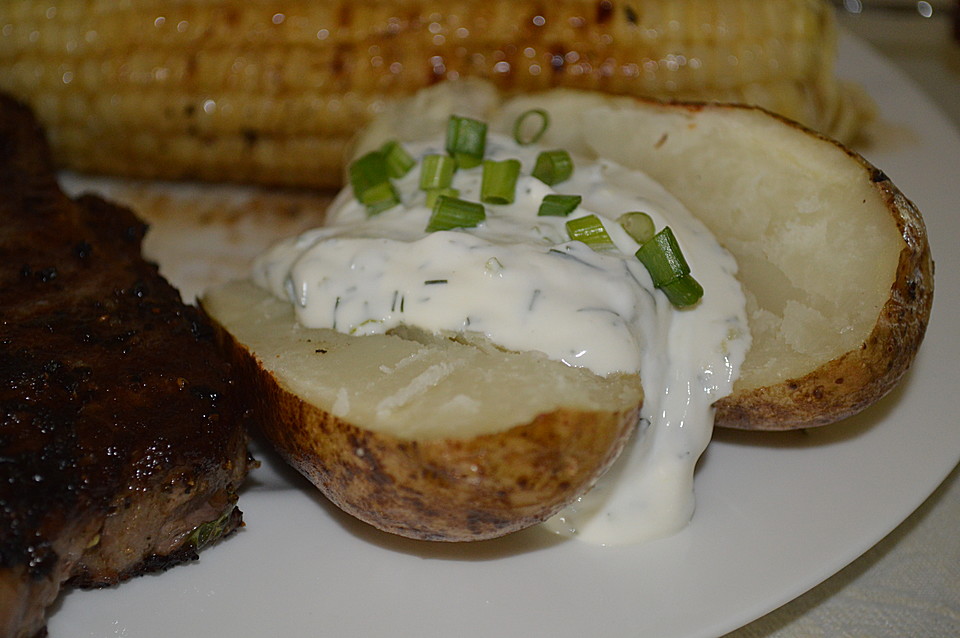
(777, 513)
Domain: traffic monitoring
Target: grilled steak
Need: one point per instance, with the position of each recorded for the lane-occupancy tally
(121, 438)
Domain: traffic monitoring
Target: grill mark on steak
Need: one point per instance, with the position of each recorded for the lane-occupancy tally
(120, 431)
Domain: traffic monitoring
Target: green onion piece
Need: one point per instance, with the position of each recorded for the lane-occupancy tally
(451, 212)
(683, 292)
(466, 140)
(399, 161)
(206, 533)
(434, 193)
(558, 205)
(436, 171)
(368, 172)
(379, 198)
(499, 182)
(590, 231)
(518, 126)
(639, 226)
(662, 257)
(553, 167)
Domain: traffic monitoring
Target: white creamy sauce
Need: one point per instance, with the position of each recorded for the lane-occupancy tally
(518, 279)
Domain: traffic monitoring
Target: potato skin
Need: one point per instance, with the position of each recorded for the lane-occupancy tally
(440, 490)
(855, 380)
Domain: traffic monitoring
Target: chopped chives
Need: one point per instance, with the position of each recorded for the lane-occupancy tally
(590, 231)
(663, 259)
(638, 225)
(683, 292)
(466, 140)
(399, 161)
(370, 180)
(553, 167)
(518, 127)
(436, 171)
(379, 198)
(434, 193)
(669, 270)
(369, 170)
(451, 212)
(499, 182)
(558, 205)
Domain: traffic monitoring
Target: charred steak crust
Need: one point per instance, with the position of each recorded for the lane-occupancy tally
(121, 436)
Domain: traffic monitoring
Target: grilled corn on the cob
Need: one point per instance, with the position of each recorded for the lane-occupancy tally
(271, 91)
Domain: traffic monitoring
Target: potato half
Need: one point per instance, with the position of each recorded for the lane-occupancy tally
(834, 259)
(427, 436)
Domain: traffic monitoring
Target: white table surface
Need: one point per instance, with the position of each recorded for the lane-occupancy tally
(909, 583)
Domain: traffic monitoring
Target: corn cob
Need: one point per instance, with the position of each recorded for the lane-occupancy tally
(271, 91)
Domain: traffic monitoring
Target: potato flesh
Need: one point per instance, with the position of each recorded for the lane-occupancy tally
(815, 280)
(415, 386)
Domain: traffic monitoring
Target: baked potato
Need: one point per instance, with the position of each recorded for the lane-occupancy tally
(833, 261)
(451, 438)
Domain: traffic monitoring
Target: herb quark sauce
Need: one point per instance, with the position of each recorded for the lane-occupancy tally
(517, 278)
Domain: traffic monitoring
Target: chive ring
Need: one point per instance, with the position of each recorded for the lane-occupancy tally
(466, 140)
(553, 167)
(451, 212)
(590, 231)
(518, 126)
